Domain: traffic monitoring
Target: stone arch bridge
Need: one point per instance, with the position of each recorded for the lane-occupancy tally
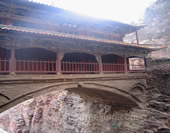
(122, 89)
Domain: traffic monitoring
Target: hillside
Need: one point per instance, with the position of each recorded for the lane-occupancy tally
(157, 30)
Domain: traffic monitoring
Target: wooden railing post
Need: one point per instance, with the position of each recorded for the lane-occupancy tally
(125, 64)
(12, 64)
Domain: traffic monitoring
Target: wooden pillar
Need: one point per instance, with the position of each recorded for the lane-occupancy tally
(137, 39)
(12, 64)
(100, 64)
(99, 59)
(59, 55)
(125, 64)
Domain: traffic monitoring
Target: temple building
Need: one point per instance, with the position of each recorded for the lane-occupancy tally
(41, 39)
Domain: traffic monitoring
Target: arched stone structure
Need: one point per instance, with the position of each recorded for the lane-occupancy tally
(109, 88)
(139, 91)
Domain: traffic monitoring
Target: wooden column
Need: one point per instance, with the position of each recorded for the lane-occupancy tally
(137, 39)
(125, 64)
(99, 59)
(100, 64)
(59, 55)
(12, 64)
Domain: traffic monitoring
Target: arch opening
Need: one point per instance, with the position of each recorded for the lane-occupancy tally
(104, 96)
(92, 91)
(138, 90)
(79, 57)
(79, 63)
(35, 60)
(35, 54)
(113, 63)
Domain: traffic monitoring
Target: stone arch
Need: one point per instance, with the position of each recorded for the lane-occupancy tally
(110, 93)
(36, 93)
(90, 90)
(138, 90)
(4, 98)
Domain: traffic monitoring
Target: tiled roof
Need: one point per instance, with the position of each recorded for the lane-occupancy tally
(72, 36)
(71, 15)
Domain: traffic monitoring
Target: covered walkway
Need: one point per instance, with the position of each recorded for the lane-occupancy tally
(37, 60)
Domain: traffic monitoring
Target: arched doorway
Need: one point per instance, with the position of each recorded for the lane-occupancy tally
(35, 60)
(79, 63)
(113, 63)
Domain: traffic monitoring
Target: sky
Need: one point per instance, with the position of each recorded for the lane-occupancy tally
(127, 11)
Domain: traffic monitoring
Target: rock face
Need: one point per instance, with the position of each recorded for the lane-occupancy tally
(67, 112)
(158, 103)
(157, 31)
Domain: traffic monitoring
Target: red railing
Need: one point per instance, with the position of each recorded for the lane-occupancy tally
(39, 66)
(79, 67)
(35, 66)
(4, 65)
(111, 67)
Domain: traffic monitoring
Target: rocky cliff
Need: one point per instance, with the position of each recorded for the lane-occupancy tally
(158, 101)
(157, 29)
(67, 112)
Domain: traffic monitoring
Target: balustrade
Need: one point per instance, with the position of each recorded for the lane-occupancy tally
(4, 65)
(13, 65)
(35, 66)
(111, 67)
(79, 67)
(41, 66)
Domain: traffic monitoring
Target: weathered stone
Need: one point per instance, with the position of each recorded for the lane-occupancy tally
(64, 111)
